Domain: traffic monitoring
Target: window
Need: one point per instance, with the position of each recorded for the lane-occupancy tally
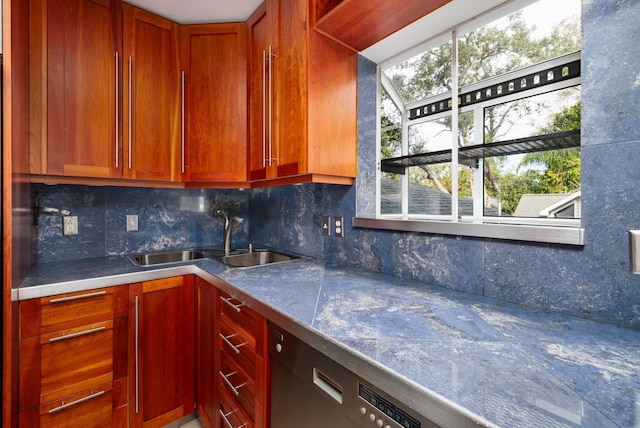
(515, 155)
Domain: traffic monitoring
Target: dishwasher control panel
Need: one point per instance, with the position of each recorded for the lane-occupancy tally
(386, 408)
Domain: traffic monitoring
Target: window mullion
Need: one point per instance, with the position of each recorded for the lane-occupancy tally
(477, 191)
(455, 90)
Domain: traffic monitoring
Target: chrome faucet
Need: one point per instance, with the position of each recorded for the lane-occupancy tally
(228, 225)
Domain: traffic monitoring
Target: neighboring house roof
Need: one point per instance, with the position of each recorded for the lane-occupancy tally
(546, 205)
(422, 200)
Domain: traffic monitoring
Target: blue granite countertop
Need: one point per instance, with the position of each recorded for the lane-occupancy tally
(513, 366)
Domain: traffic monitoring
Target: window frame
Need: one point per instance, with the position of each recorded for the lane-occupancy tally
(548, 230)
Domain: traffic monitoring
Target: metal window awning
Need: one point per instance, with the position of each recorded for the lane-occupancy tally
(470, 154)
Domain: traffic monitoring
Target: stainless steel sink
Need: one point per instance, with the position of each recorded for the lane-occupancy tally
(256, 258)
(236, 258)
(175, 256)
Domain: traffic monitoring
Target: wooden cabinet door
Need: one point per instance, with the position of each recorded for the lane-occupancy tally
(310, 114)
(161, 358)
(151, 97)
(215, 70)
(205, 341)
(260, 84)
(82, 46)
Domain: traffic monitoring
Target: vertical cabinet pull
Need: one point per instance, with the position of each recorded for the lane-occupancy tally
(73, 403)
(130, 107)
(264, 108)
(228, 300)
(137, 386)
(117, 110)
(78, 297)
(182, 121)
(271, 56)
(234, 388)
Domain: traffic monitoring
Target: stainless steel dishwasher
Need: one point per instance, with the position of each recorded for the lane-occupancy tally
(309, 390)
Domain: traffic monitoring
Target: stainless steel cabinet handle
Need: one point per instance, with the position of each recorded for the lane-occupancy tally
(78, 297)
(73, 403)
(117, 110)
(80, 333)
(182, 122)
(234, 388)
(236, 348)
(264, 108)
(228, 302)
(130, 107)
(136, 353)
(225, 417)
(271, 56)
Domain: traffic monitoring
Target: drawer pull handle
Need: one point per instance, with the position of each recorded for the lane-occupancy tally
(233, 387)
(73, 403)
(78, 297)
(80, 333)
(225, 417)
(228, 302)
(228, 342)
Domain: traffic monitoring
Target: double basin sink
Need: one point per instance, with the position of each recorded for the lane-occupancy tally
(235, 258)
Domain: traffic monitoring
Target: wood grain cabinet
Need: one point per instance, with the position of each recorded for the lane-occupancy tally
(303, 98)
(240, 370)
(161, 351)
(74, 78)
(151, 97)
(105, 96)
(73, 359)
(215, 104)
(232, 373)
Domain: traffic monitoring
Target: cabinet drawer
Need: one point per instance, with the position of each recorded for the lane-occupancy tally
(240, 348)
(241, 387)
(59, 364)
(69, 310)
(235, 312)
(230, 415)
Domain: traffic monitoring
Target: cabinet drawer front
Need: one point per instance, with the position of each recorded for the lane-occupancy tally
(233, 380)
(76, 309)
(241, 352)
(229, 415)
(234, 312)
(92, 408)
(75, 360)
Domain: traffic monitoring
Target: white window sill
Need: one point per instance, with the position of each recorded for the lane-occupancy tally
(570, 235)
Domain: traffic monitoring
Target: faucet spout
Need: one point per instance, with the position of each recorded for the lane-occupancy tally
(228, 226)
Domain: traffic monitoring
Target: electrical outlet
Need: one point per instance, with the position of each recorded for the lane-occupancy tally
(70, 225)
(326, 225)
(339, 226)
(132, 223)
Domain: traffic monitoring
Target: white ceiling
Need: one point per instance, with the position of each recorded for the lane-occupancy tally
(200, 11)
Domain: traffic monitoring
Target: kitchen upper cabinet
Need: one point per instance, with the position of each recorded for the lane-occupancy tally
(151, 97)
(215, 120)
(73, 359)
(303, 98)
(161, 351)
(74, 77)
(358, 24)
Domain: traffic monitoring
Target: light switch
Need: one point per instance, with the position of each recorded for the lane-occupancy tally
(326, 229)
(132, 223)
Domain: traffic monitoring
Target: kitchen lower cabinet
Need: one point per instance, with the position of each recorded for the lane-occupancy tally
(161, 356)
(240, 369)
(232, 381)
(73, 359)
